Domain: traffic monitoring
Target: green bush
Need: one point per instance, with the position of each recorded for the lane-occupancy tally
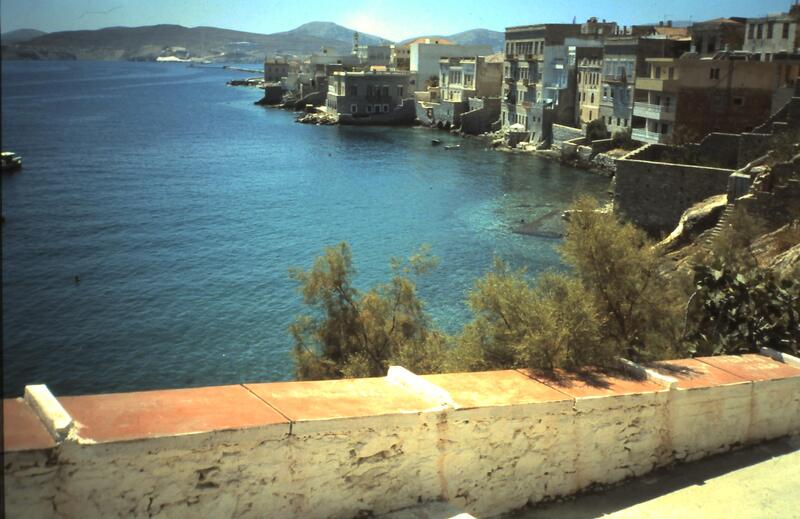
(733, 312)
(354, 334)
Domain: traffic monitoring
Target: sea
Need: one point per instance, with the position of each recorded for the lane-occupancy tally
(148, 240)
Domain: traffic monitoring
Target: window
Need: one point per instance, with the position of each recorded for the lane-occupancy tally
(714, 73)
(738, 101)
(671, 73)
(658, 72)
(664, 129)
(711, 46)
(369, 109)
(385, 108)
(785, 34)
(385, 91)
(770, 27)
(353, 109)
(399, 91)
(590, 115)
(592, 100)
(352, 90)
(759, 31)
(751, 31)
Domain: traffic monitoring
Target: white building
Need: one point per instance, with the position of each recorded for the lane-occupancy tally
(426, 53)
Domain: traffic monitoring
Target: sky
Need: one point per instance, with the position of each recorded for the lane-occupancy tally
(392, 20)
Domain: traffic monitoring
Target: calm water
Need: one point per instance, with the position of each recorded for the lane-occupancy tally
(181, 206)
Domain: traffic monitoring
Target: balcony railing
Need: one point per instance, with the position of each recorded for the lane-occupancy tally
(653, 111)
(642, 135)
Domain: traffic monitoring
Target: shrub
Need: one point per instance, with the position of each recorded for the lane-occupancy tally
(543, 326)
(733, 312)
(354, 334)
(619, 267)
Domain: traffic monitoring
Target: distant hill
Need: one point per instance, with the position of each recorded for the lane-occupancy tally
(20, 35)
(332, 31)
(150, 42)
(472, 37)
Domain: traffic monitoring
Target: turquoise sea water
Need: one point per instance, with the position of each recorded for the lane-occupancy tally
(181, 206)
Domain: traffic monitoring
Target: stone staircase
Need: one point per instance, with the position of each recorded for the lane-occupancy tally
(708, 237)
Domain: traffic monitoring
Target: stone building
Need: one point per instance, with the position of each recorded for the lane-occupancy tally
(682, 100)
(774, 35)
(364, 94)
(717, 35)
(624, 59)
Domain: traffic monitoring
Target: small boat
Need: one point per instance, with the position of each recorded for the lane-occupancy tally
(452, 146)
(10, 162)
(435, 142)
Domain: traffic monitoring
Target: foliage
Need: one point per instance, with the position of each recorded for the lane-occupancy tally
(618, 266)
(596, 130)
(354, 334)
(732, 313)
(548, 325)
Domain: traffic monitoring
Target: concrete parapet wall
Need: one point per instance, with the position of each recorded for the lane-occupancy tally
(486, 442)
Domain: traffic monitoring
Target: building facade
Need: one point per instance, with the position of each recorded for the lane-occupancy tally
(624, 59)
(426, 54)
(366, 93)
(683, 100)
(275, 69)
(523, 73)
(717, 35)
(588, 90)
(774, 35)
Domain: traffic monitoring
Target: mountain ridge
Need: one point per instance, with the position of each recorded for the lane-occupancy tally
(213, 43)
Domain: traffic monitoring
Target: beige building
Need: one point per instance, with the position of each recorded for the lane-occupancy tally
(589, 88)
(681, 100)
(462, 78)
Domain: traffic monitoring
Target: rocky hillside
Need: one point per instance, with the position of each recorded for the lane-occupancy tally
(472, 37)
(150, 42)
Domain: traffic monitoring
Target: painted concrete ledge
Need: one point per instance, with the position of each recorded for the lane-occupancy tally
(485, 443)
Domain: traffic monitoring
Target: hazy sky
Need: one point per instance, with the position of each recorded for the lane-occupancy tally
(394, 20)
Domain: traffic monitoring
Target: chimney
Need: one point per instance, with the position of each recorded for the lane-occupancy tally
(661, 24)
(669, 23)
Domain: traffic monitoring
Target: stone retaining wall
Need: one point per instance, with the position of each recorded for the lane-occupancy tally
(486, 442)
(654, 195)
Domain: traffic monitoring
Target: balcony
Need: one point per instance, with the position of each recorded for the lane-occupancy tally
(642, 135)
(652, 111)
(657, 85)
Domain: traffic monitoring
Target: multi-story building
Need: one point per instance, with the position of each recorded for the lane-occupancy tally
(589, 88)
(774, 35)
(275, 69)
(624, 59)
(400, 57)
(523, 72)
(682, 100)
(720, 34)
(365, 93)
(375, 55)
(462, 78)
(425, 54)
(464, 84)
